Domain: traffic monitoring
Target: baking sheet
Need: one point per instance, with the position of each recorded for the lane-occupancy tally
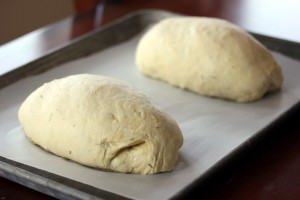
(212, 128)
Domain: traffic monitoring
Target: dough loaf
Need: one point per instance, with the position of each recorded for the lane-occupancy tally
(103, 123)
(208, 56)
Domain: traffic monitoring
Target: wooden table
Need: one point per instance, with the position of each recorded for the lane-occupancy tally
(270, 170)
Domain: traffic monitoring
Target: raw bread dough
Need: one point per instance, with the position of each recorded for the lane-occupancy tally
(101, 122)
(208, 56)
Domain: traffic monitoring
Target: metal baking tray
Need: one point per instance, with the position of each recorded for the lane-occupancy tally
(215, 131)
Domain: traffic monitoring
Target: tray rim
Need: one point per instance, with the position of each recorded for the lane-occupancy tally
(142, 17)
(50, 184)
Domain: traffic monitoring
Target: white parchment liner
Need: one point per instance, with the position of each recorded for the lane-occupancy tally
(211, 127)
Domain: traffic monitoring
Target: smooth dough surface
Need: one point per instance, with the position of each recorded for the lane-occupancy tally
(208, 56)
(101, 122)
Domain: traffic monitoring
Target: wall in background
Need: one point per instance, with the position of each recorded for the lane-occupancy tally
(18, 17)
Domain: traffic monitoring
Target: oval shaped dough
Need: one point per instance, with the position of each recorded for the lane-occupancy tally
(101, 122)
(208, 56)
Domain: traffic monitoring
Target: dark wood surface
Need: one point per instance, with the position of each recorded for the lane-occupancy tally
(268, 171)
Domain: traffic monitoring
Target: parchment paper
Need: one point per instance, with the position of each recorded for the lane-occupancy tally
(211, 127)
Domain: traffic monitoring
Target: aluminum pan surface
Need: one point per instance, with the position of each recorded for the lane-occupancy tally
(211, 127)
